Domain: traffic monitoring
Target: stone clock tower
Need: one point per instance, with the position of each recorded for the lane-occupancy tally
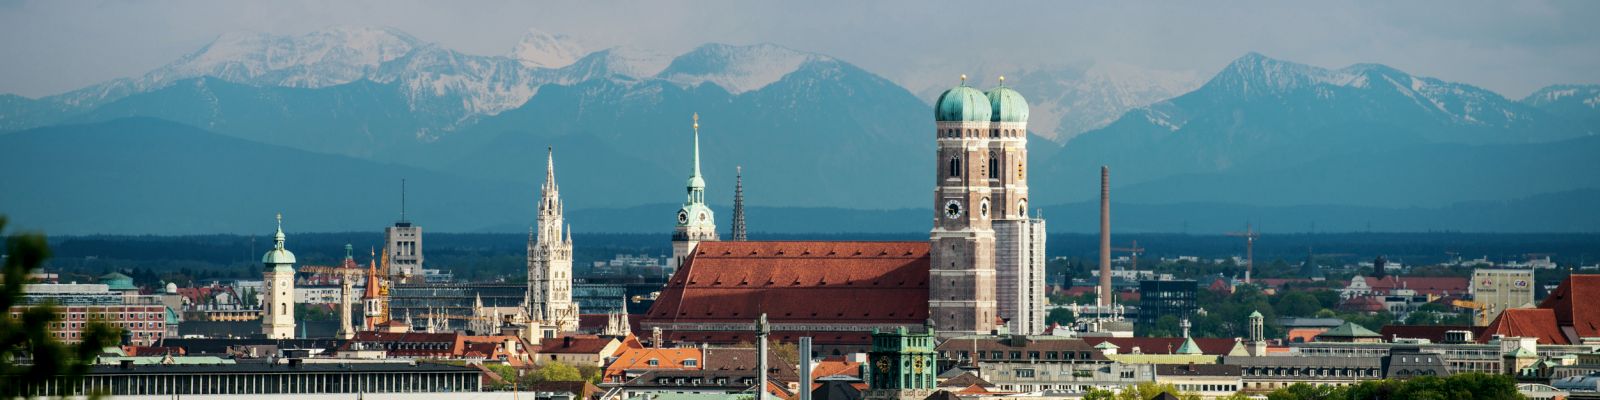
(695, 220)
(986, 254)
(961, 274)
(277, 289)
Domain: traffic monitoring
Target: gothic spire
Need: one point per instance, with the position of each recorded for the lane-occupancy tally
(738, 205)
(550, 169)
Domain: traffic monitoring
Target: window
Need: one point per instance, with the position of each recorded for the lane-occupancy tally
(955, 166)
(653, 362)
(994, 166)
(690, 362)
(1016, 355)
(1024, 373)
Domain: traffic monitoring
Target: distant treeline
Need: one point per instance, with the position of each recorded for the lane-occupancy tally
(483, 256)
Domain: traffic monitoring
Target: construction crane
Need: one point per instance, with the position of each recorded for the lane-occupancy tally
(1249, 236)
(1480, 311)
(1133, 251)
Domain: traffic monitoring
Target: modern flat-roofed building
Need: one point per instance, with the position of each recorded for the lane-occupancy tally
(1160, 298)
(1499, 289)
(145, 317)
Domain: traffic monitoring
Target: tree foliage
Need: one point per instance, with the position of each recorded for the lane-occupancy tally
(28, 337)
(556, 372)
(1141, 391)
(1466, 386)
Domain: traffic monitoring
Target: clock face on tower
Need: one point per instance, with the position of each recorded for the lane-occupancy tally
(952, 209)
(683, 217)
(883, 364)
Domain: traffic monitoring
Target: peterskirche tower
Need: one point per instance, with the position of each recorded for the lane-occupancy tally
(695, 221)
(739, 234)
(980, 279)
(277, 292)
(549, 304)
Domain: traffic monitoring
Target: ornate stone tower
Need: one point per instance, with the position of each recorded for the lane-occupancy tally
(550, 307)
(1258, 339)
(277, 291)
(961, 295)
(1019, 239)
(901, 366)
(695, 221)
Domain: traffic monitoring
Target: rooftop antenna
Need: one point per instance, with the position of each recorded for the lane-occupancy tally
(402, 200)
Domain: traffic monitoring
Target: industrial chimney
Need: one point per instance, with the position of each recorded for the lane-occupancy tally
(1105, 237)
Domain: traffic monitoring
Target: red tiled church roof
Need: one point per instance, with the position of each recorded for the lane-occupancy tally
(844, 282)
(1538, 323)
(1585, 320)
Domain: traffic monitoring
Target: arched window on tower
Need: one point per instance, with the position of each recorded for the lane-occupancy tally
(955, 166)
(994, 166)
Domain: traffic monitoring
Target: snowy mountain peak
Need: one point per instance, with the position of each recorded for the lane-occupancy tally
(628, 62)
(737, 69)
(539, 49)
(1584, 95)
(322, 58)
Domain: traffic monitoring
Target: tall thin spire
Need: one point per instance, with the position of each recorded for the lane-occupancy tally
(738, 204)
(696, 145)
(550, 168)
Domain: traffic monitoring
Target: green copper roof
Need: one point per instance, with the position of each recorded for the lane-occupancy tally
(1105, 345)
(1007, 105)
(1189, 347)
(962, 103)
(1255, 314)
(1523, 352)
(278, 256)
(1350, 330)
(117, 281)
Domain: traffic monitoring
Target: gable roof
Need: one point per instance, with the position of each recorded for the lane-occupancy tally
(836, 366)
(1349, 330)
(841, 282)
(1540, 323)
(576, 345)
(966, 379)
(1146, 345)
(639, 358)
(1585, 321)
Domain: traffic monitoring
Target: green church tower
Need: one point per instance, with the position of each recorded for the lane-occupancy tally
(902, 365)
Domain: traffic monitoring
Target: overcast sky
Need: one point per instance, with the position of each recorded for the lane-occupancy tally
(1511, 47)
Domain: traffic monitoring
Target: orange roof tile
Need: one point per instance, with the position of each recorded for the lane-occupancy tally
(1538, 323)
(830, 367)
(878, 282)
(636, 359)
(1585, 320)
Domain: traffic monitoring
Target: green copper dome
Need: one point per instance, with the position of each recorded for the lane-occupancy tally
(1007, 105)
(961, 104)
(279, 257)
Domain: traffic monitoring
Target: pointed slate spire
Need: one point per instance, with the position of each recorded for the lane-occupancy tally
(696, 146)
(738, 205)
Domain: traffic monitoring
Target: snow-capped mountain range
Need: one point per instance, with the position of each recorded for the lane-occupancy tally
(438, 80)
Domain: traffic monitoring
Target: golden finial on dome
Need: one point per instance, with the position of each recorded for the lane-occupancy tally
(697, 121)
(1002, 80)
(963, 79)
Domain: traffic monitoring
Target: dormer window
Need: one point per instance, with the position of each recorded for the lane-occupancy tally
(653, 362)
(690, 362)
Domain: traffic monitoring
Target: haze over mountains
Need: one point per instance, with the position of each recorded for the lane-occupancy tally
(324, 125)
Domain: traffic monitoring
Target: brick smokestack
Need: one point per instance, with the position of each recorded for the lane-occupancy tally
(1105, 236)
